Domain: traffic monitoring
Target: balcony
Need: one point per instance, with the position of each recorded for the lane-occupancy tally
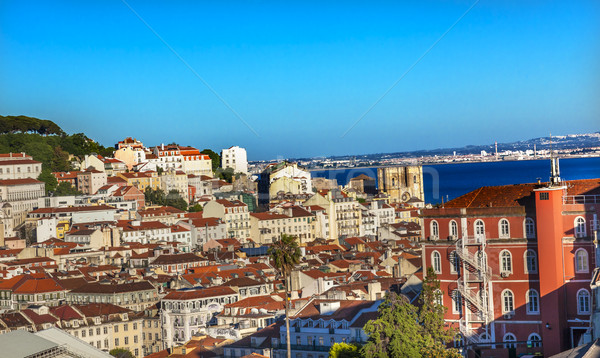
(310, 348)
(581, 199)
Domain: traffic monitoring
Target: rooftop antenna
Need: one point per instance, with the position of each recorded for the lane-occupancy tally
(554, 166)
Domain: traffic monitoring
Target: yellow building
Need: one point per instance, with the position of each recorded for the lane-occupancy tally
(142, 180)
(343, 212)
(62, 228)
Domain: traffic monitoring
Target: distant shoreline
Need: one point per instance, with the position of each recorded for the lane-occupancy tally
(450, 163)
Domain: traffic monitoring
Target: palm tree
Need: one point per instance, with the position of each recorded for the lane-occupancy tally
(286, 254)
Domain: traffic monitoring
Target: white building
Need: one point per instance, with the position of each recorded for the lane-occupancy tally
(188, 159)
(188, 312)
(17, 197)
(322, 323)
(235, 158)
(19, 166)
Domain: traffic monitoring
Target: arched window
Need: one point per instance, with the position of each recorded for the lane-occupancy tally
(453, 229)
(509, 340)
(533, 302)
(454, 262)
(534, 340)
(529, 228)
(508, 301)
(436, 262)
(438, 297)
(435, 230)
(479, 229)
(504, 228)
(458, 341)
(505, 262)
(580, 227)
(484, 337)
(583, 301)
(456, 302)
(530, 261)
(581, 261)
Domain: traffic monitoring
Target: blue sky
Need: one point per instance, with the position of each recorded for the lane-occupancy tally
(300, 74)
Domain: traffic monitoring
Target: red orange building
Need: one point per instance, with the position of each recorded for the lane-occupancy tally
(515, 264)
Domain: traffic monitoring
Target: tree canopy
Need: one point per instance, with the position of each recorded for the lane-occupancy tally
(344, 350)
(46, 142)
(214, 157)
(403, 330)
(24, 124)
(158, 197)
(121, 353)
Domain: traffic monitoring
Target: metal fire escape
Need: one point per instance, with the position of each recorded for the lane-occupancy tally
(473, 285)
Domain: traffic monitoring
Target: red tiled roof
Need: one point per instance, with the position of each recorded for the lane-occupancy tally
(269, 215)
(25, 181)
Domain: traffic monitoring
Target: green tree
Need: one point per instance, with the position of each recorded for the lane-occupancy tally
(214, 157)
(60, 160)
(225, 174)
(396, 331)
(431, 316)
(154, 197)
(175, 200)
(65, 189)
(195, 208)
(285, 255)
(344, 350)
(403, 330)
(49, 179)
(121, 353)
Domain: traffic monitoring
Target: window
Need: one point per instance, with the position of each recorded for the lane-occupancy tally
(438, 297)
(583, 301)
(435, 230)
(529, 228)
(530, 261)
(504, 228)
(544, 196)
(533, 302)
(534, 340)
(454, 262)
(436, 261)
(505, 262)
(508, 301)
(509, 340)
(581, 261)
(453, 229)
(479, 229)
(456, 302)
(580, 227)
(458, 341)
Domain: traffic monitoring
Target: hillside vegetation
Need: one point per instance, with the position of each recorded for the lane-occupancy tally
(46, 142)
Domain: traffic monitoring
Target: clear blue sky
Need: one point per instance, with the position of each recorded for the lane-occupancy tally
(301, 73)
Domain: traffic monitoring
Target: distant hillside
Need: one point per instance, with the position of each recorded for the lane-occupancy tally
(46, 142)
(571, 141)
